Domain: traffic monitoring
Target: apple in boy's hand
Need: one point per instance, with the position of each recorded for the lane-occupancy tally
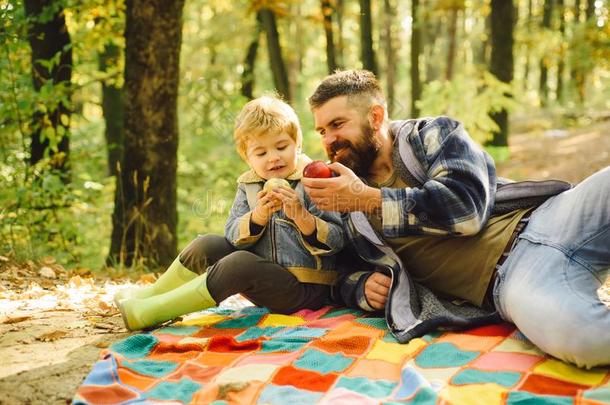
(317, 169)
(275, 183)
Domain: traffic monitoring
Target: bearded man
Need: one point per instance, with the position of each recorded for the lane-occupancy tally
(447, 243)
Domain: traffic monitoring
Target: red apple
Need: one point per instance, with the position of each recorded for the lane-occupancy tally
(317, 169)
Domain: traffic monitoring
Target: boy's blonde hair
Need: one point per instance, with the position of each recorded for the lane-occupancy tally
(265, 114)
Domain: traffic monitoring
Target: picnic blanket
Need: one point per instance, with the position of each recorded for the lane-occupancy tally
(331, 356)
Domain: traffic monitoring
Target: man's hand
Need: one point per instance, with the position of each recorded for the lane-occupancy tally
(376, 289)
(344, 193)
(266, 206)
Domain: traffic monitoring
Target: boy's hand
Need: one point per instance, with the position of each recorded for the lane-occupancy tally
(294, 210)
(290, 202)
(266, 206)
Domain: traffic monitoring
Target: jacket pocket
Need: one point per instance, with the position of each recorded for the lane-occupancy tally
(291, 248)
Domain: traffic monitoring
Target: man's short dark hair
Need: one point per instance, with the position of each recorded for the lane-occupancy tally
(351, 83)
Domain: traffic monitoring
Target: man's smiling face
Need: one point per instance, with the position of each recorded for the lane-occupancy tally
(347, 135)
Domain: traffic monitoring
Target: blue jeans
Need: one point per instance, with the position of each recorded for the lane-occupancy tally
(548, 285)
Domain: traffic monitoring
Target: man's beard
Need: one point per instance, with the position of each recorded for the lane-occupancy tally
(357, 156)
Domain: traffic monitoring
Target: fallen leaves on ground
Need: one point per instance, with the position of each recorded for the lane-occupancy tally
(47, 272)
(52, 336)
(16, 319)
(147, 278)
(45, 286)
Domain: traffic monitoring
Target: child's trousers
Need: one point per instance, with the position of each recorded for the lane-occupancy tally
(266, 284)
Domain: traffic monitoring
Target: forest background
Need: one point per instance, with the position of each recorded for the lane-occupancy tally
(116, 116)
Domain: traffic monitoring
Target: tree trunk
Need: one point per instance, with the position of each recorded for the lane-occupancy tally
(546, 24)
(339, 7)
(590, 11)
(501, 65)
(144, 218)
(366, 37)
(452, 42)
(529, 24)
(327, 14)
(433, 33)
(481, 48)
(581, 75)
(416, 49)
(295, 55)
(49, 38)
(278, 67)
(247, 77)
(576, 72)
(113, 106)
(561, 55)
(390, 49)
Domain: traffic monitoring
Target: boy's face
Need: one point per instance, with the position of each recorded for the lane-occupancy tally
(272, 155)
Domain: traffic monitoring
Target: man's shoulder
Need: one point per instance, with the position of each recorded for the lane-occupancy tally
(425, 125)
(424, 140)
(425, 135)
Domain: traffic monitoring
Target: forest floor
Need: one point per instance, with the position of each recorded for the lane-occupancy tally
(54, 322)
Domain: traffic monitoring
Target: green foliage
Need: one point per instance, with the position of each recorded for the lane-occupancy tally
(471, 96)
(26, 111)
(499, 154)
(209, 102)
(42, 216)
(95, 25)
(542, 44)
(16, 98)
(589, 47)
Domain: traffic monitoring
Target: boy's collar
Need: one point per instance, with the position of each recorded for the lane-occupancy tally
(251, 177)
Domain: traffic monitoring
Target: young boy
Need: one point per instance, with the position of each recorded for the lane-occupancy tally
(278, 249)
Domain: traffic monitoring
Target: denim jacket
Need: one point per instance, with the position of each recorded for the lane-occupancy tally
(280, 240)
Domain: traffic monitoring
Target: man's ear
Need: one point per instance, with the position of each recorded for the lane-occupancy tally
(376, 116)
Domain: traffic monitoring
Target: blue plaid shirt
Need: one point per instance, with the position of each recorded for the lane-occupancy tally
(457, 198)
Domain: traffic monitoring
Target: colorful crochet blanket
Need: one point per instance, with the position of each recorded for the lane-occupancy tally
(331, 356)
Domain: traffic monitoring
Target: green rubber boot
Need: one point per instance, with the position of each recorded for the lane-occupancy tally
(175, 275)
(140, 313)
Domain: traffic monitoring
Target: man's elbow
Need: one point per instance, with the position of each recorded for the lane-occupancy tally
(468, 227)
